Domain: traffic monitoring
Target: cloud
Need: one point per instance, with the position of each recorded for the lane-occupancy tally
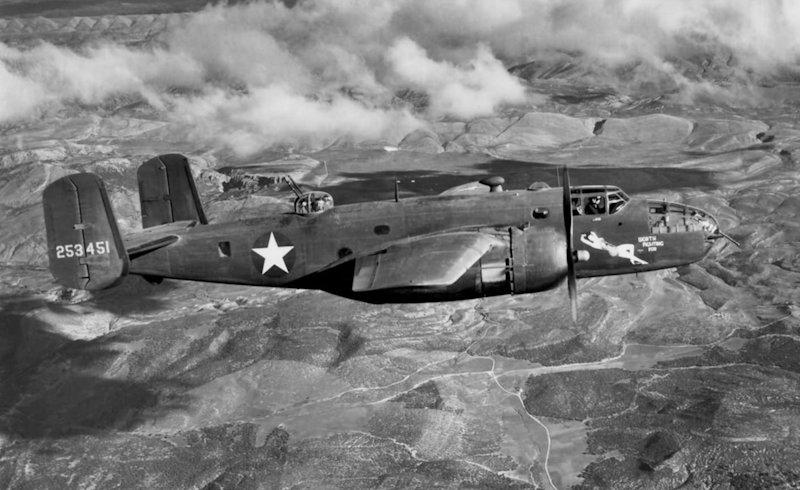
(233, 46)
(331, 68)
(19, 97)
(683, 46)
(761, 33)
(48, 74)
(245, 77)
(465, 92)
(275, 114)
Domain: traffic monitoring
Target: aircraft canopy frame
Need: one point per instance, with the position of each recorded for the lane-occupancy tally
(314, 202)
(597, 200)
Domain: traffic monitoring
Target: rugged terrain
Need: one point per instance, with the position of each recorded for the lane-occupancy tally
(685, 378)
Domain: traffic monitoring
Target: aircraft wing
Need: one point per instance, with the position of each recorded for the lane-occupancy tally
(464, 189)
(436, 260)
(149, 239)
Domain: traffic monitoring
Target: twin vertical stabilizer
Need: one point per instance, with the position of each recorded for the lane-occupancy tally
(84, 245)
(167, 191)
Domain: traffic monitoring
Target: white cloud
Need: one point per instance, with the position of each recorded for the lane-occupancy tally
(461, 91)
(19, 97)
(243, 55)
(275, 114)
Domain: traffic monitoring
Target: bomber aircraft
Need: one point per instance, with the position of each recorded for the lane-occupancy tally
(445, 247)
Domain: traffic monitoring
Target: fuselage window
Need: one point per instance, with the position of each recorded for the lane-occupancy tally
(540, 213)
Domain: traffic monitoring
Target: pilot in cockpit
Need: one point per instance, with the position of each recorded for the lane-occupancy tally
(596, 205)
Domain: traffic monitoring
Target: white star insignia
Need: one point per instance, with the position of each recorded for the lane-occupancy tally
(273, 255)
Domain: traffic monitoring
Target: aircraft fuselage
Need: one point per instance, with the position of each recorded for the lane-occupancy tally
(318, 250)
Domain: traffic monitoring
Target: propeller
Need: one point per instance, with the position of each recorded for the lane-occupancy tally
(572, 285)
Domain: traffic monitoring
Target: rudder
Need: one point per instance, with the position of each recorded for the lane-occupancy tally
(167, 192)
(84, 246)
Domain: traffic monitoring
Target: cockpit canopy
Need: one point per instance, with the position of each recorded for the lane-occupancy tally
(597, 200)
(314, 202)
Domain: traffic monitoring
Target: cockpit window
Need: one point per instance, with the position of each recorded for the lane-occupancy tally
(595, 205)
(597, 200)
(577, 207)
(616, 201)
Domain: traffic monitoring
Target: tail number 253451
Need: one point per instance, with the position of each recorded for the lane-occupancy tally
(78, 250)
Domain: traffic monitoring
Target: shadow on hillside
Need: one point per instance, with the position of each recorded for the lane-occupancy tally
(134, 295)
(52, 386)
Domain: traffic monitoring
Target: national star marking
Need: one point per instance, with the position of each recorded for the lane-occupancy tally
(273, 255)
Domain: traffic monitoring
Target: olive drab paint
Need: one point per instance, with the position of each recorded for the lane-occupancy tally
(435, 248)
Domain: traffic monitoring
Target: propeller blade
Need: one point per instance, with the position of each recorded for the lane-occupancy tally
(573, 296)
(572, 286)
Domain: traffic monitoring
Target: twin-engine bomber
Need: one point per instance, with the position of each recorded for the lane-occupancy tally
(451, 246)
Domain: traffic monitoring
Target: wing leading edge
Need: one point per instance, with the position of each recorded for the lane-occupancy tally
(437, 260)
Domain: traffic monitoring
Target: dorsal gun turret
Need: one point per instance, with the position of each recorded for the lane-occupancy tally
(312, 202)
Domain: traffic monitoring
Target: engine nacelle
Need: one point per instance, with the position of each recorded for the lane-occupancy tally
(545, 263)
(529, 260)
(534, 260)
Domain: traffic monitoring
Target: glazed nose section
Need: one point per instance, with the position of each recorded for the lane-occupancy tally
(710, 227)
(705, 221)
(695, 219)
(673, 217)
(676, 218)
(713, 232)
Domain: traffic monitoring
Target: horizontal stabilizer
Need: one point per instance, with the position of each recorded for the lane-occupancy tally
(438, 260)
(167, 192)
(140, 242)
(84, 246)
